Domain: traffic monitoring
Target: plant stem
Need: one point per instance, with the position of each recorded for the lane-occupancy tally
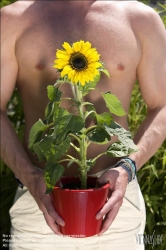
(89, 129)
(76, 137)
(76, 148)
(83, 169)
(73, 91)
(83, 141)
(83, 178)
(69, 160)
(94, 159)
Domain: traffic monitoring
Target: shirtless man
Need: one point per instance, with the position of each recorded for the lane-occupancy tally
(132, 42)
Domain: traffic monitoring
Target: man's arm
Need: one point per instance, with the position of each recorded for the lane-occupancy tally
(10, 145)
(151, 73)
(12, 152)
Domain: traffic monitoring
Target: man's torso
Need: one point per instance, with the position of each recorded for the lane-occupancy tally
(45, 25)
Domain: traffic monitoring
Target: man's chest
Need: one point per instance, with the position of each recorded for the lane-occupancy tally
(113, 38)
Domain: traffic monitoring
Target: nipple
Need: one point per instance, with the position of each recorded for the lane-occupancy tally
(120, 66)
(40, 66)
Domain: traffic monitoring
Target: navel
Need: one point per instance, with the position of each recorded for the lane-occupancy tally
(120, 66)
(40, 66)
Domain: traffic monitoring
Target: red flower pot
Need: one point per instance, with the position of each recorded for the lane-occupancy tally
(78, 208)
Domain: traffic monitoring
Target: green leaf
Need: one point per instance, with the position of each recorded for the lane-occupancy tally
(65, 124)
(104, 118)
(105, 71)
(49, 112)
(53, 152)
(153, 168)
(36, 132)
(90, 163)
(90, 111)
(113, 104)
(89, 86)
(124, 136)
(49, 109)
(59, 113)
(38, 152)
(53, 93)
(99, 136)
(118, 149)
(70, 163)
(87, 103)
(62, 80)
(52, 173)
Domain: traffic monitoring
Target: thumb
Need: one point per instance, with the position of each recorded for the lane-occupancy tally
(102, 180)
(59, 184)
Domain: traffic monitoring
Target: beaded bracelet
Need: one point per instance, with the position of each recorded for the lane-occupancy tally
(130, 167)
(132, 163)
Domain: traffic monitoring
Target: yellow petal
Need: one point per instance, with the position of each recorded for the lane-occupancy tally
(96, 72)
(66, 46)
(88, 78)
(77, 46)
(92, 71)
(57, 66)
(66, 70)
(72, 75)
(70, 72)
(81, 78)
(89, 75)
(62, 55)
(89, 52)
(94, 65)
(76, 78)
(85, 47)
(62, 52)
(61, 62)
(93, 57)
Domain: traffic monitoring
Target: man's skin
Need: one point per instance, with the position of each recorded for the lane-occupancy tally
(132, 42)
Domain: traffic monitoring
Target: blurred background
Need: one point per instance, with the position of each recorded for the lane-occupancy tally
(152, 177)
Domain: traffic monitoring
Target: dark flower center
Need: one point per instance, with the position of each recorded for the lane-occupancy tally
(78, 61)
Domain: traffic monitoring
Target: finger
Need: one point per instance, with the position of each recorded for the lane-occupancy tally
(116, 197)
(59, 184)
(51, 223)
(110, 176)
(51, 211)
(109, 218)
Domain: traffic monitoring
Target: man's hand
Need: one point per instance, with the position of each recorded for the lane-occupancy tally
(37, 188)
(118, 179)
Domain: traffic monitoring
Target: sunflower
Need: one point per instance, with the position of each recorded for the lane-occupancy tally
(79, 62)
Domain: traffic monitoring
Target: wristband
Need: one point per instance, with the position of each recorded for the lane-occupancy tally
(132, 163)
(130, 167)
(128, 170)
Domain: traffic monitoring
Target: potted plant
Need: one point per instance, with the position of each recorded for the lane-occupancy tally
(79, 65)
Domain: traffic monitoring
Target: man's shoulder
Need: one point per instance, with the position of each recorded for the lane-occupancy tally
(144, 20)
(133, 10)
(16, 8)
(11, 18)
(143, 14)
(140, 11)
(11, 13)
